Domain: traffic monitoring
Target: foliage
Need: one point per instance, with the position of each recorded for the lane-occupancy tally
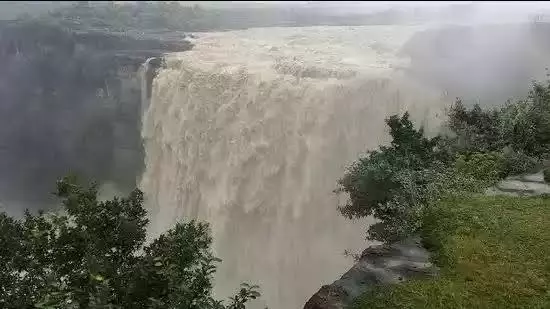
(525, 125)
(391, 183)
(92, 254)
(396, 183)
(487, 168)
(161, 16)
(475, 129)
(124, 16)
(461, 178)
(517, 162)
(492, 252)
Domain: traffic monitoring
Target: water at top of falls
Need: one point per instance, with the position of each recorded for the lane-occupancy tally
(251, 130)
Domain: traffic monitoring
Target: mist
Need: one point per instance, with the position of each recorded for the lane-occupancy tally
(250, 128)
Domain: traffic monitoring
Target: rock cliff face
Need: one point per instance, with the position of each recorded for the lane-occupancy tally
(381, 264)
(69, 102)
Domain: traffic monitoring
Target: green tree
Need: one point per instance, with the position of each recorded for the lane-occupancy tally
(391, 183)
(395, 183)
(475, 130)
(92, 254)
(525, 125)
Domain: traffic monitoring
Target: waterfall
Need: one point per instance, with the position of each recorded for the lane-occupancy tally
(146, 74)
(251, 130)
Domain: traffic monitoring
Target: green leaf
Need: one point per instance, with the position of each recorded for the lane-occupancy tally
(97, 277)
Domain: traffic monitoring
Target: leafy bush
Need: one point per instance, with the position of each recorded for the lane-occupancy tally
(475, 130)
(525, 125)
(93, 255)
(391, 183)
(396, 183)
(487, 168)
(516, 163)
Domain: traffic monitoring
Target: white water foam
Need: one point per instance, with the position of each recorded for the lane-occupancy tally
(250, 131)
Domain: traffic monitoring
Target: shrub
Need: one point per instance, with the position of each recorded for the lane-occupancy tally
(94, 256)
(525, 125)
(396, 183)
(475, 130)
(391, 183)
(486, 168)
(516, 162)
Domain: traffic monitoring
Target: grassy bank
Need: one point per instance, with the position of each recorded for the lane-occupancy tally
(494, 252)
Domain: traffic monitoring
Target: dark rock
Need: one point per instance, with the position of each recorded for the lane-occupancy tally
(382, 264)
(70, 101)
(328, 297)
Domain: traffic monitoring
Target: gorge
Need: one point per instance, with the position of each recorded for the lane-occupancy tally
(248, 130)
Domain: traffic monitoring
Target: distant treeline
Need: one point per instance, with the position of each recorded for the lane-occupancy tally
(173, 16)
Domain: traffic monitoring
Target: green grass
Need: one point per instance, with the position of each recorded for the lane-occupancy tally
(494, 252)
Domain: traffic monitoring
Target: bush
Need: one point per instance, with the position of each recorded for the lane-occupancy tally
(525, 125)
(475, 130)
(396, 183)
(487, 168)
(522, 126)
(93, 255)
(391, 183)
(516, 163)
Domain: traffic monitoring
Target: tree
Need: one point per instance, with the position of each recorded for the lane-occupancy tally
(526, 124)
(391, 183)
(475, 129)
(395, 183)
(92, 254)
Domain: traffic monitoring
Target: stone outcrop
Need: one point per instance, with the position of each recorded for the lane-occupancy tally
(70, 101)
(381, 264)
(524, 185)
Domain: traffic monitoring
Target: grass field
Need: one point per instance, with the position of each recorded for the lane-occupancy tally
(494, 252)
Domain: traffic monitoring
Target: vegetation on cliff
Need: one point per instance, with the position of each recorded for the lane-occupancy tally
(93, 254)
(493, 253)
(396, 183)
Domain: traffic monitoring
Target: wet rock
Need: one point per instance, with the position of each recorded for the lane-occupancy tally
(382, 264)
(523, 185)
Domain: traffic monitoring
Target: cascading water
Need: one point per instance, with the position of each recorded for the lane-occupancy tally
(250, 131)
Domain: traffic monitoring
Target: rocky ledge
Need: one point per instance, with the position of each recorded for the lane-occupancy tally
(381, 264)
(524, 185)
(401, 261)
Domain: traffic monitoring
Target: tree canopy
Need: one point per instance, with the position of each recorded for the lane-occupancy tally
(395, 183)
(93, 254)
